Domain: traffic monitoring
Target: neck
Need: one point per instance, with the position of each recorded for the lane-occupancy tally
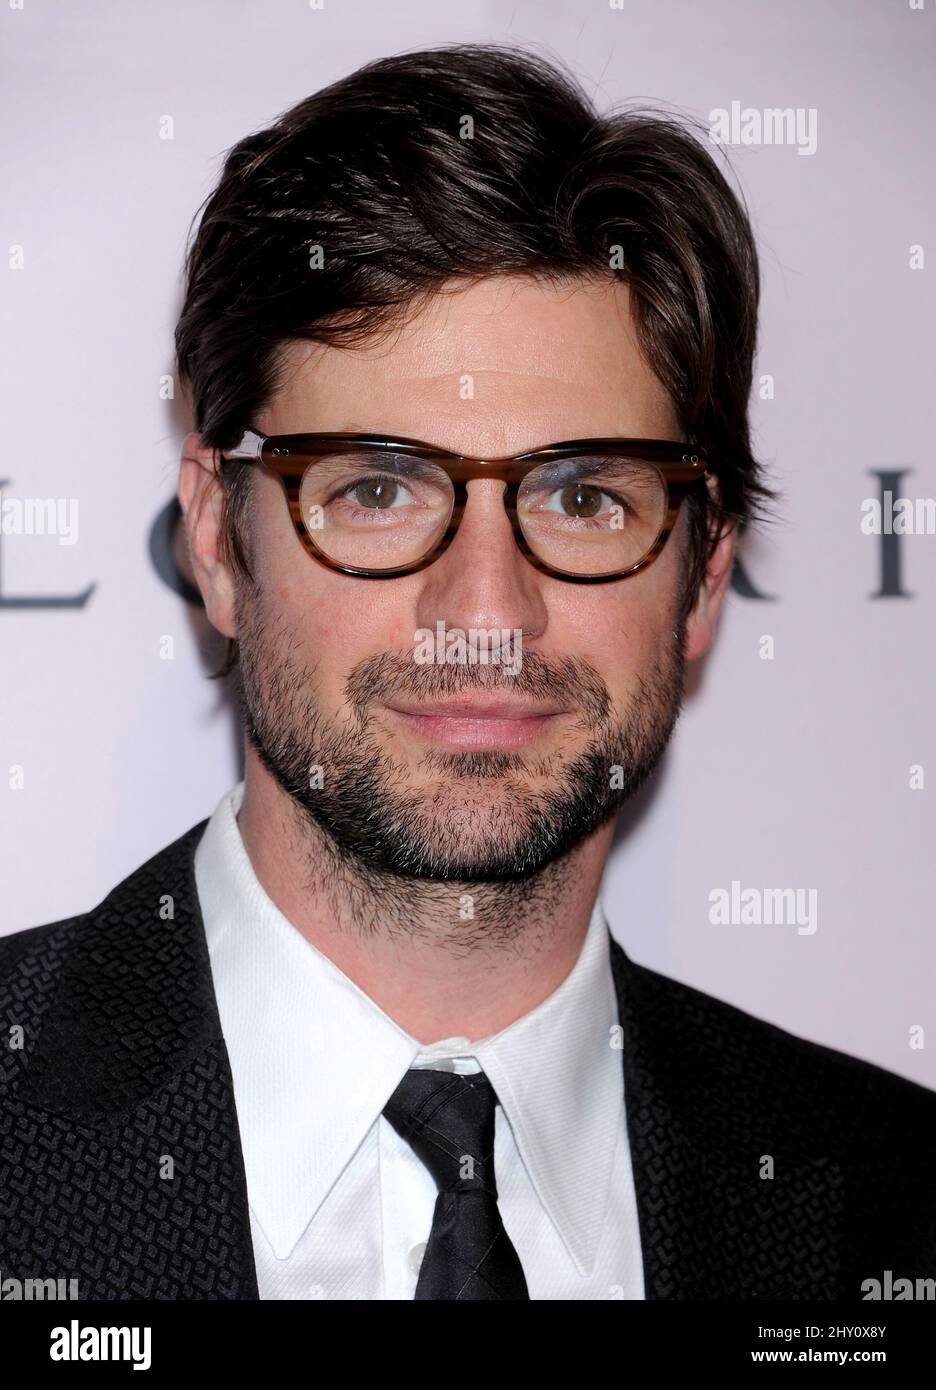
(441, 958)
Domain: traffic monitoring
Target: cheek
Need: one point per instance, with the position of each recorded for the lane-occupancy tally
(331, 621)
(616, 636)
(621, 628)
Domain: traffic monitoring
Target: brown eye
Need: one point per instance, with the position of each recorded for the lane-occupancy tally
(375, 493)
(578, 499)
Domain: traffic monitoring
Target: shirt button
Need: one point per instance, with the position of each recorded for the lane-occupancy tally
(416, 1256)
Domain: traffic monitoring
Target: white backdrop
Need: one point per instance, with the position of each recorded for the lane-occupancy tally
(786, 772)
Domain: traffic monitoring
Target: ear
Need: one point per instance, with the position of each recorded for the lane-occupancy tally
(200, 498)
(703, 620)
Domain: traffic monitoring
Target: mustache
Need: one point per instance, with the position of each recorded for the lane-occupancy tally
(572, 682)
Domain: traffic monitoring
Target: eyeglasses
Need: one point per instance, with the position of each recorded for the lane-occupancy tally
(586, 510)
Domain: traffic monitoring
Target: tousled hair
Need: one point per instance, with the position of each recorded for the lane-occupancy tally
(454, 164)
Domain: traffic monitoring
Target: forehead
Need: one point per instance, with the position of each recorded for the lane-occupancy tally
(517, 361)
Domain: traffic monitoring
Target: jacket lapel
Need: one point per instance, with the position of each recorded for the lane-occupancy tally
(700, 1125)
(130, 1082)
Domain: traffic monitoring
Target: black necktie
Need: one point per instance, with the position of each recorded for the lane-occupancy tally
(448, 1121)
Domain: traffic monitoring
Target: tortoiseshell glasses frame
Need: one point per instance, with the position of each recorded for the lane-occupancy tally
(289, 457)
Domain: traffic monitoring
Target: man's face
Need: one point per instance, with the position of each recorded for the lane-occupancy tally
(468, 771)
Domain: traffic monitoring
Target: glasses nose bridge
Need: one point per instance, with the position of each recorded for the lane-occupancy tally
(468, 469)
(465, 468)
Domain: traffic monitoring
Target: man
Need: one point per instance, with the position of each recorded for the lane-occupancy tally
(469, 368)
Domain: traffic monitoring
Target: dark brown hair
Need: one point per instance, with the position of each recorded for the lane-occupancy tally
(457, 163)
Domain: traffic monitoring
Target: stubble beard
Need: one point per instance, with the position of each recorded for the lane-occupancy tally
(477, 824)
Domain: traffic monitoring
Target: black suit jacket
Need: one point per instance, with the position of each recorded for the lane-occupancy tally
(122, 1063)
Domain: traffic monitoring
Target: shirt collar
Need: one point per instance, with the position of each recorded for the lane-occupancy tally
(292, 1020)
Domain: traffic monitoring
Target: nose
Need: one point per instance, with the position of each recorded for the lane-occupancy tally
(483, 579)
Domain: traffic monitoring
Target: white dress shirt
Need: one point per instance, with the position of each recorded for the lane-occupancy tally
(340, 1206)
